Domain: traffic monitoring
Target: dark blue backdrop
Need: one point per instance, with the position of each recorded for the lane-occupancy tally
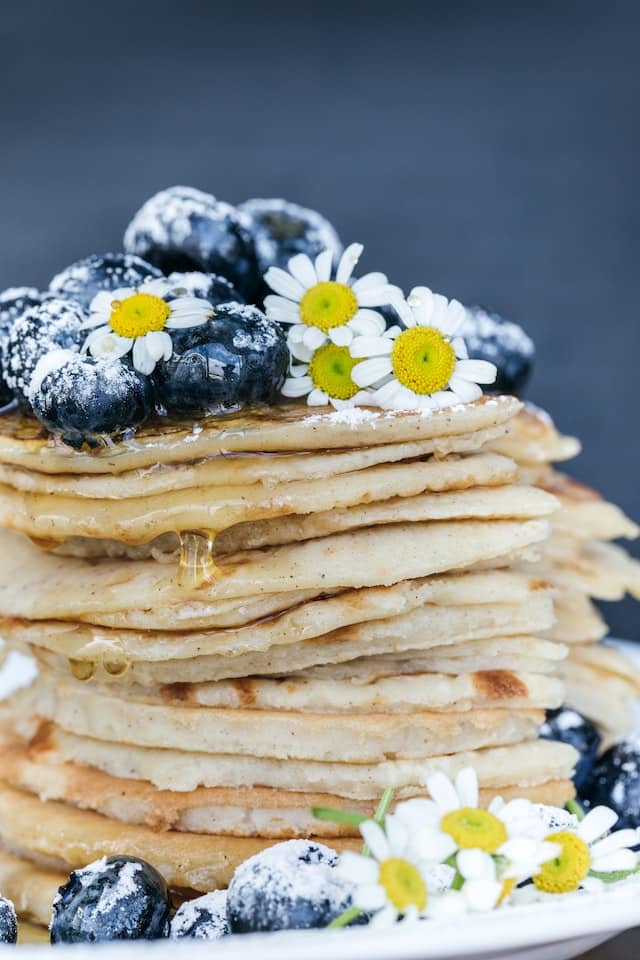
(489, 150)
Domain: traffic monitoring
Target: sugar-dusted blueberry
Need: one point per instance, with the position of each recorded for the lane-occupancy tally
(207, 286)
(569, 726)
(290, 886)
(86, 400)
(8, 921)
(183, 229)
(13, 303)
(108, 271)
(53, 324)
(282, 229)
(238, 357)
(116, 898)
(202, 919)
(490, 337)
(615, 782)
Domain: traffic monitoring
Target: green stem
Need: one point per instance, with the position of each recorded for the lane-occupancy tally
(345, 918)
(458, 881)
(615, 876)
(339, 816)
(381, 811)
(574, 807)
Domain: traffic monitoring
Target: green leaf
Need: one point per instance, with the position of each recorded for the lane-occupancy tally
(615, 876)
(350, 817)
(381, 812)
(345, 918)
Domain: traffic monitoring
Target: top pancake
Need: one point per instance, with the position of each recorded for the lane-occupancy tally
(287, 427)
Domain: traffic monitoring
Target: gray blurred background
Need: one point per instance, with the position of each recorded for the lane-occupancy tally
(486, 149)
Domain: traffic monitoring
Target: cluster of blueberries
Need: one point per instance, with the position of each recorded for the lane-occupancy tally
(208, 249)
(291, 886)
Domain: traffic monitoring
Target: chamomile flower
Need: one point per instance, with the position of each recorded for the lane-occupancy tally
(321, 308)
(326, 380)
(590, 847)
(392, 882)
(424, 364)
(137, 320)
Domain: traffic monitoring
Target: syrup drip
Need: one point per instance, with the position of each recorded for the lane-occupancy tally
(196, 565)
(82, 669)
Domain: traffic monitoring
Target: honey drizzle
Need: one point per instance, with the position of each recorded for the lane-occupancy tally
(196, 565)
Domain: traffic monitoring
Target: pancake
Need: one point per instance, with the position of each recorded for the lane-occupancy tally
(303, 621)
(139, 520)
(577, 619)
(259, 812)
(35, 585)
(533, 439)
(275, 734)
(583, 513)
(287, 427)
(32, 888)
(412, 633)
(601, 570)
(524, 764)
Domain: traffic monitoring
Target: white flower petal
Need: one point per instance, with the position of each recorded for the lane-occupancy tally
(466, 391)
(298, 369)
(341, 336)
(451, 904)
(385, 918)
(300, 352)
(455, 318)
(445, 398)
(95, 320)
(297, 386)
(313, 338)
(367, 281)
(617, 860)
(375, 837)
(592, 884)
(283, 283)
(370, 896)
(476, 865)
(318, 398)
(371, 371)
(107, 345)
(357, 868)
(615, 841)
(443, 792)
(433, 846)
(467, 787)
(417, 812)
(158, 287)
(323, 264)
(142, 359)
(368, 323)
(296, 333)
(371, 347)
(460, 348)
(479, 371)
(397, 835)
(102, 302)
(348, 260)
(596, 823)
(281, 309)
(482, 895)
(302, 269)
(159, 345)
(380, 296)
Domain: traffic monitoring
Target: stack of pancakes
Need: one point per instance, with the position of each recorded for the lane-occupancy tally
(583, 564)
(237, 622)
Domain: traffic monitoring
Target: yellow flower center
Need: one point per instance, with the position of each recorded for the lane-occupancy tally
(472, 828)
(508, 887)
(138, 315)
(327, 305)
(423, 360)
(566, 871)
(330, 369)
(403, 884)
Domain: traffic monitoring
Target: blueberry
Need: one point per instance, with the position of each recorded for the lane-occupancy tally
(615, 783)
(202, 919)
(183, 229)
(290, 886)
(282, 229)
(8, 922)
(13, 303)
(116, 898)
(85, 400)
(109, 271)
(207, 286)
(490, 337)
(52, 325)
(571, 727)
(236, 358)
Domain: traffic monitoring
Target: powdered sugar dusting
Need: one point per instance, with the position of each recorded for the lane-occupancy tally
(494, 335)
(125, 886)
(204, 918)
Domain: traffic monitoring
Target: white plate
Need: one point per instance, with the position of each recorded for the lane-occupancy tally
(553, 930)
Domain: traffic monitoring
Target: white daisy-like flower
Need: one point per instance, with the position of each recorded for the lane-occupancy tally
(392, 883)
(321, 308)
(137, 320)
(588, 848)
(326, 380)
(423, 364)
(481, 889)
